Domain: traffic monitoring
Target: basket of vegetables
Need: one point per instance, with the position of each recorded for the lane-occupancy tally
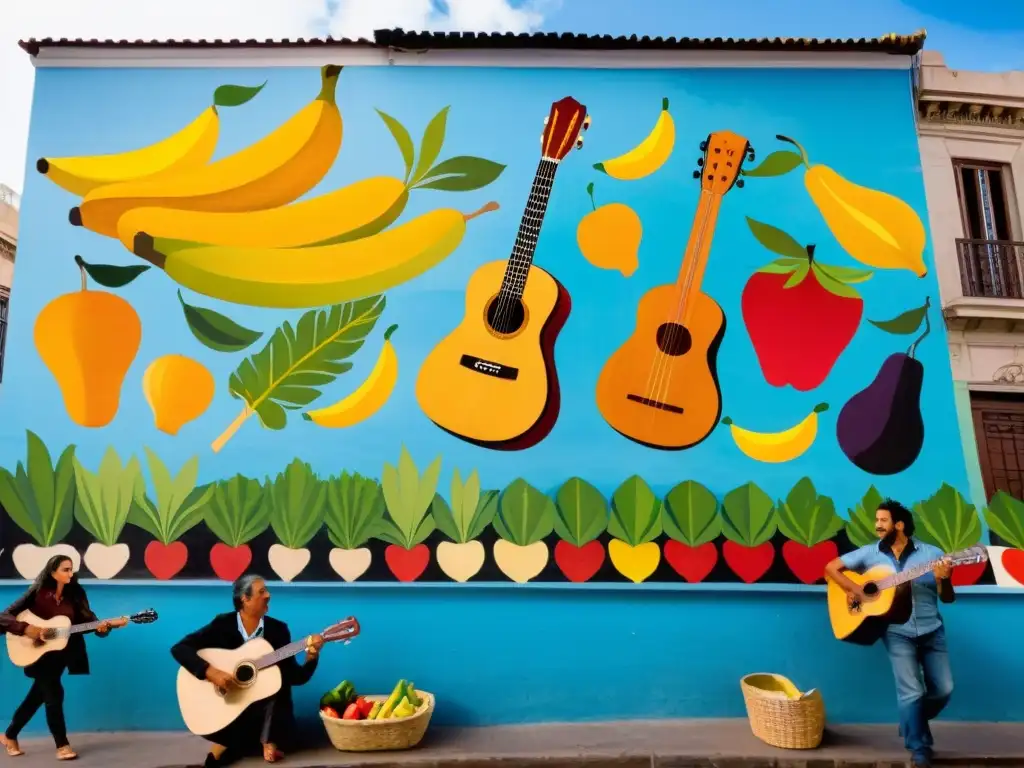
(371, 723)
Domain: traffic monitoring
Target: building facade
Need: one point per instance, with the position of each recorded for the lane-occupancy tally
(9, 201)
(563, 363)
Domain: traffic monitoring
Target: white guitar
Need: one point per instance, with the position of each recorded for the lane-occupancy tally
(207, 709)
(25, 651)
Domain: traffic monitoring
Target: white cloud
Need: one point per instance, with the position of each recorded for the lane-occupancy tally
(131, 19)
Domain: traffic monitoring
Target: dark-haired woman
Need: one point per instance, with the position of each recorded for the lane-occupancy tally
(55, 592)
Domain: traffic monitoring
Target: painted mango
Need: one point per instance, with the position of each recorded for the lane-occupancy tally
(178, 390)
(609, 236)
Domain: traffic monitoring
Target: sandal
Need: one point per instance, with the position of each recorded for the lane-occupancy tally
(271, 753)
(11, 746)
(66, 753)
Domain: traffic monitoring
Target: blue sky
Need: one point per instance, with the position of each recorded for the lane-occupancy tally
(985, 35)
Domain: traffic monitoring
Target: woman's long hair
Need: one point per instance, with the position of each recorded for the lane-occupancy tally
(72, 591)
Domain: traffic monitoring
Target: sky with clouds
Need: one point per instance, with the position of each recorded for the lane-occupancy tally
(980, 34)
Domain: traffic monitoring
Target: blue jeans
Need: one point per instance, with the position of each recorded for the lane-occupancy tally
(924, 684)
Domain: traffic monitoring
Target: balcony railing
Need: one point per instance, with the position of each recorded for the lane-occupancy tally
(991, 268)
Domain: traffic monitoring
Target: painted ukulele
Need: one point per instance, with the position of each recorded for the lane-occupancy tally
(492, 381)
(660, 388)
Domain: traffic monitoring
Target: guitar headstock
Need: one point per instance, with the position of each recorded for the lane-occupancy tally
(343, 630)
(147, 616)
(563, 128)
(970, 556)
(719, 167)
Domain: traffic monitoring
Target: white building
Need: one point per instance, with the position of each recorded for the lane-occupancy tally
(8, 244)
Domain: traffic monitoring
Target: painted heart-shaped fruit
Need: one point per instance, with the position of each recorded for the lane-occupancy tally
(635, 563)
(350, 564)
(520, 563)
(579, 564)
(1013, 563)
(407, 564)
(287, 562)
(966, 575)
(460, 562)
(749, 563)
(165, 561)
(106, 562)
(808, 563)
(692, 563)
(230, 562)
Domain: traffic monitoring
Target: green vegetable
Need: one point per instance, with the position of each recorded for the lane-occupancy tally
(235, 512)
(355, 509)
(470, 512)
(392, 701)
(748, 516)
(947, 520)
(410, 694)
(105, 499)
(807, 518)
(860, 525)
(179, 504)
(1005, 516)
(40, 499)
(690, 514)
(581, 514)
(636, 513)
(296, 500)
(375, 710)
(408, 497)
(525, 515)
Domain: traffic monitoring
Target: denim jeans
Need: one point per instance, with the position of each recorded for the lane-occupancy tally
(924, 684)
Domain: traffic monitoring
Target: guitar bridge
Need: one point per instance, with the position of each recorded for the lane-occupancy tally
(489, 368)
(655, 404)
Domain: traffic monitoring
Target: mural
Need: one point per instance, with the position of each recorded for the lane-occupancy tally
(555, 396)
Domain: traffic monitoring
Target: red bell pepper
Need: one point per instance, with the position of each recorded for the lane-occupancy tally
(351, 712)
(365, 705)
(330, 712)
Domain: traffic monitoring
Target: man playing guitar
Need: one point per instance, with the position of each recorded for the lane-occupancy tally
(917, 649)
(265, 724)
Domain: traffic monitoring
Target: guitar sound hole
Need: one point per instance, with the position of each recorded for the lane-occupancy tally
(871, 589)
(245, 673)
(505, 314)
(673, 339)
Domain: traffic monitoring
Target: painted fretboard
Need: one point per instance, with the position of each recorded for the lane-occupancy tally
(957, 558)
(529, 230)
(282, 653)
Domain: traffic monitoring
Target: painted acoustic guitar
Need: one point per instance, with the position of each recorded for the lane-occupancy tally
(206, 709)
(492, 381)
(660, 388)
(25, 651)
(889, 600)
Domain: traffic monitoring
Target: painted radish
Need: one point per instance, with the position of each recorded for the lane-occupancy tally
(235, 514)
(749, 521)
(947, 520)
(297, 498)
(355, 509)
(1005, 518)
(40, 499)
(407, 523)
(635, 523)
(175, 506)
(104, 502)
(581, 516)
(810, 522)
(463, 521)
(524, 517)
(691, 520)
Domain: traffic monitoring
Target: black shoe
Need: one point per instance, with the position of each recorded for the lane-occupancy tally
(921, 760)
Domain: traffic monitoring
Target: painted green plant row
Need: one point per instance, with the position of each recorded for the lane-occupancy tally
(405, 508)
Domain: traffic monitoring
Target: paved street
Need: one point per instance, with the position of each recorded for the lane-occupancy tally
(640, 744)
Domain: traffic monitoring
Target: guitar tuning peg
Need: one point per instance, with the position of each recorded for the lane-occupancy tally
(586, 122)
(579, 143)
(696, 174)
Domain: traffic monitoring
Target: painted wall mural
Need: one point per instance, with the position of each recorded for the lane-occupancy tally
(555, 395)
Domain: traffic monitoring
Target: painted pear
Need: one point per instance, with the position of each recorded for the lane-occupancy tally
(88, 340)
(609, 236)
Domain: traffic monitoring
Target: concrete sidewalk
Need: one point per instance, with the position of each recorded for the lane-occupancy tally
(636, 744)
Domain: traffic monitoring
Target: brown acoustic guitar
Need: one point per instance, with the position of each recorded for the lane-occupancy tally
(492, 381)
(660, 388)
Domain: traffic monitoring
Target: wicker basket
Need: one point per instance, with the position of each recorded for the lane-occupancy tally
(378, 735)
(780, 714)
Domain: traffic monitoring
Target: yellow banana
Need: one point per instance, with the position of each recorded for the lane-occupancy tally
(358, 210)
(277, 169)
(647, 156)
(293, 278)
(777, 447)
(191, 147)
(370, 395)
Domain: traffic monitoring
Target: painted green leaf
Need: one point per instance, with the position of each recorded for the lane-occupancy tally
(797, 277)
(777, 163)
(748, 516)
(525, 515)
(109, 275)
(845, 274)
(296, 498)
(947, 520)
(444, 520)
(581, 513)
(354, 510)
(903, 324)
(408, 497)
(40, 498)
(832, 285)
(636, 513)
(430, 146)
(1005, 516)
(783, 266)
(235, 95)
(470, 512)
(807, 518)
(690, 514)
(461, 174)
(105, 498)
(235, 513)
(216, 331)
(179, 504)
(486, 509)
(777, 241)
(860, 525)
(402, 139)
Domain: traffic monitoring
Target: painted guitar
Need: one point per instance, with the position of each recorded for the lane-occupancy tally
(57, 631)
(492, 381)
(206, 709)
(889, 600)
(660, 388)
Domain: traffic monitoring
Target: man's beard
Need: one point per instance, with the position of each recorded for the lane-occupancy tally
(890, 538)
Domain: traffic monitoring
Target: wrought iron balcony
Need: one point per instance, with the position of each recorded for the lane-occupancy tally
(991, 269)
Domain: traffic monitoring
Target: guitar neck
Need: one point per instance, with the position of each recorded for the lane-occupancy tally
(698, 247)
(908, 575)
(284, 652)
(529, 229)
(75, 629)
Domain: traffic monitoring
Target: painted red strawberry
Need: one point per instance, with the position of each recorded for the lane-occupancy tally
(749, 563)
(808, 563)
(165, 561)
(579, 564)
(692, 563)
(1013, 562)
(407, 564)
(230, 562)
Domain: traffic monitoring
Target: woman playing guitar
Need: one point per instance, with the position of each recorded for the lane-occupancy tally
(55, 592)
